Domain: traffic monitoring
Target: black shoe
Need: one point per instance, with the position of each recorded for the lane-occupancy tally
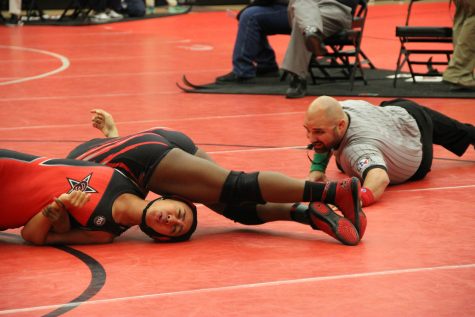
(298, 87)
(13, 21)
(460, 86)
(314, 44)
(231, 78)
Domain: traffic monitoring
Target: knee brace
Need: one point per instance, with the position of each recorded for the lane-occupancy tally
(241, 187)
(244, 213)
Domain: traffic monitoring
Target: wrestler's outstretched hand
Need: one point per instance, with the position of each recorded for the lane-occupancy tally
(103, 121)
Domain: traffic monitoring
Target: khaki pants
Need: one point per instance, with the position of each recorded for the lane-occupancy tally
(14, 7)
(462, 64)
(328, 16)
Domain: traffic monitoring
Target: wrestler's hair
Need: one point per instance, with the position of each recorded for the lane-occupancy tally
(162, 237)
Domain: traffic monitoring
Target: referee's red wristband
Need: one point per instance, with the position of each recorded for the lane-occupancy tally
(367, 197)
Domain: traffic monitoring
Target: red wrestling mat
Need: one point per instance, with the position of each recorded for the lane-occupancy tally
(416, 259)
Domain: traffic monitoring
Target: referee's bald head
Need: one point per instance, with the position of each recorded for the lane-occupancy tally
(326, 109)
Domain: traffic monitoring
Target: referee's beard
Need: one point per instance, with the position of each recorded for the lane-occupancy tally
(333, 142)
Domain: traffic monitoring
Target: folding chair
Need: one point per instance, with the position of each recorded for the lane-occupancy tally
(34, 11)
(410, 36)
(80, 9)
(344, 53)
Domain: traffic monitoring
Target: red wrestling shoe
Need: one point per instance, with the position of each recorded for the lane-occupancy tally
(325, 219)
(345, 195)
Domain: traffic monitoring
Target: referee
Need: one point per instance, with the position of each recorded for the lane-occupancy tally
(390, 144)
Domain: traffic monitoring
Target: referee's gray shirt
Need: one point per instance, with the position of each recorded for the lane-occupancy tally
(385, 137)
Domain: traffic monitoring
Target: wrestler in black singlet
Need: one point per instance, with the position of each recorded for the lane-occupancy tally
(135, 155)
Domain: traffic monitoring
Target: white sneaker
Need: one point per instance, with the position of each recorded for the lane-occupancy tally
(114, 15)
(100, 17)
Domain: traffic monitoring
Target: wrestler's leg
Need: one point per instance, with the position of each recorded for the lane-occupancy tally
(265, 212)
(202, 181)
(189, 176)
(202, 154)
(318, 215)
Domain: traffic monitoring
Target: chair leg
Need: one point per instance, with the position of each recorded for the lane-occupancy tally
(399, 66)
(368, 60)
(409, 63)
(357, 66)
(363, 76)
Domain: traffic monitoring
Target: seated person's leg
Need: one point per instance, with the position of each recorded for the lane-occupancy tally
(311, 23)
(271, 24)
(14, 8)
(255, 23)
(135, 8)
(460, 71)
(296, 62)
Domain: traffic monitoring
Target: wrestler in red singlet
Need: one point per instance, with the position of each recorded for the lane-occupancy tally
(29, 183)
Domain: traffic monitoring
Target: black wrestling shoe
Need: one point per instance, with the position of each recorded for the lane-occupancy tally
(297, 87)
(323, 218)
(232, 78)
(314, 43)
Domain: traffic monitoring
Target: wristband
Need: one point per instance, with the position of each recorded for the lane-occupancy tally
(320, 162)
(367, 197)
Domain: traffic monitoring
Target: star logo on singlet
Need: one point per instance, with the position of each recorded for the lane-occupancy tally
(81, 185)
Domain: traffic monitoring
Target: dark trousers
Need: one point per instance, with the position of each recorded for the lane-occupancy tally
(252, 50)
(436, 128)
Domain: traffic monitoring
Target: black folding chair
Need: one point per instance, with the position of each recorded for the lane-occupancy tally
(345, 57)
(414, 41)
(78, 9)
(34, 10)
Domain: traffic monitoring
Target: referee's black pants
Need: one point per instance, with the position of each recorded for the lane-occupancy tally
(436, 128)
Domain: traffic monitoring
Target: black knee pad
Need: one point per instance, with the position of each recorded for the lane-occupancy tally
(244, 213)
(241, 187)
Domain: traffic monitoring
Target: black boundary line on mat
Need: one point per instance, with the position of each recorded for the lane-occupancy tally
(98, 278)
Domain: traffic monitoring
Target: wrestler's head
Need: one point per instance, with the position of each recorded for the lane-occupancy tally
(169, 219)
